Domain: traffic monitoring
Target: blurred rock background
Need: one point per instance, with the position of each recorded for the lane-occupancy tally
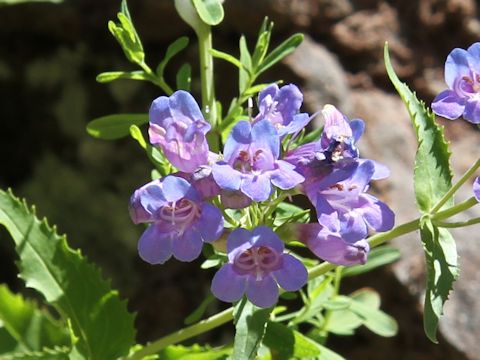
(51, 53)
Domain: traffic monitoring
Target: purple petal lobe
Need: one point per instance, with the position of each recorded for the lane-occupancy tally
(285, 177)
(472, 110)
(378, 215)
(474, 51)
(265, 236)
(210, 224)
(182, 104)
(227, 285)
(155, 246)
(358, 128)
(238, 138)
(175, 188)
(264, 136)
(226, 177)
(476, 189)
(456, 66)
(292, 275)
(448, 105)
(256, 187)
(238, 238)
(262, 293)
(188, 246)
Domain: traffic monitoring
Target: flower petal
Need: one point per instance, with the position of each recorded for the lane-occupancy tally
(227, 285)
(448, 104)
(472, 110)
(262, 293)
(188, 246)
(175, 188)
(155, 246)
(292, 275)
(474, 51)
(265, 136)
(256, 187)
(183, 105)
(456, 66)
(285, 177)
(210, 224)
(265, 236)
(358, 128)
(377, 214)
(476, 189)
(239, 238)
(226, 177)
(239, 137)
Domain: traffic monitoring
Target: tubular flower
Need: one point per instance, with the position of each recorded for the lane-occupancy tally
(177, 126)
(251, 162)
(462, 75)
(280, 106)
(326, 241)
(256, 264)
(180, 220)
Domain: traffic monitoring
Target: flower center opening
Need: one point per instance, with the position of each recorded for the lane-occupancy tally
(180, 213)
(258, 261)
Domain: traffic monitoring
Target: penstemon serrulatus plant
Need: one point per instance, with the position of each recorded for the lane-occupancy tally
(221, 187)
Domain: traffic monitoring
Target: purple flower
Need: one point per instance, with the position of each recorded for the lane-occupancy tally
(250, 162)
(476, 189)
(462, 75)
(178, 127)
(256, 264)
(280, 106)
(358, 212)
(180, 220)
(326, 241)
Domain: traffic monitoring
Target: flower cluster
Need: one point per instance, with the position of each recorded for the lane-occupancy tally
(254, 167)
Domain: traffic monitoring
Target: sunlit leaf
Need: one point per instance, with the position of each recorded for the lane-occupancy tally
(112, 127)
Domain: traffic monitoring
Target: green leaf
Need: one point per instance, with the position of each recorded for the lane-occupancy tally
(99, 319)
(285, 344)
(127, 37)
(282, 50)
(44, 354)
(374, 319)
(227, 57)
(108, 76)
(197, 314)
(172, 50)
(184, 77)
(250, 328)
(210, 11)
(432, 176)
(442, 271)
(343, 322)
(377, 257)
(32, 328)
(312, 136)
(263, 41)
(112, 127)
(246, 70)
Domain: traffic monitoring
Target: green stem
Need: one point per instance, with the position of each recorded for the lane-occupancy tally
(445, 214)
(156, 80)
(227, 315)
(458, 224)
(455, 187)
(184, 334)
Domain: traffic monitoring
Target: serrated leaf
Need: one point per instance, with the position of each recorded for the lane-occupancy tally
(282, 50)
(246, 61)
(442, 271)
(109, 76)
(184, 77)
(99, 319)
(432, 175)
(377, 257)
(172, 50)
(210, 11)
(117, 126)
(250, 326)
(32, 328)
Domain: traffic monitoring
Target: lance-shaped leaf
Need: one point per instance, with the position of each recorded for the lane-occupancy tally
(250, 326)
(99, 319)
(442, 271)
(433, 176)
(117, 126)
